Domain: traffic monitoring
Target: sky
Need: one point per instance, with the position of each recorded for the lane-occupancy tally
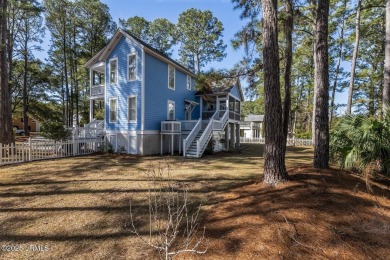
(171, 9)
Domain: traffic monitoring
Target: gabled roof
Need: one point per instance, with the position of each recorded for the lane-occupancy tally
(106, 51)
(223, 86)
(254, 118)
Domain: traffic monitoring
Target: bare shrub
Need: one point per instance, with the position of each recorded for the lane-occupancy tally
(172, 219)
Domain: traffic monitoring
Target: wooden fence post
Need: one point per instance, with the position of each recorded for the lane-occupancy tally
(1, 153)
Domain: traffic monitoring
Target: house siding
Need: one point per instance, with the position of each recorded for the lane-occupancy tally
(157, 93)
(123, 88)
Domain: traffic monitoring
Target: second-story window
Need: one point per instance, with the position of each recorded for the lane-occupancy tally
(132, 67)
(188, 82)
(171, 77)
(97, 78)
(113, 71)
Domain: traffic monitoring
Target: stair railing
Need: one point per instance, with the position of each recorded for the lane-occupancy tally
(201, 143)
(225, 119)
(191, 137)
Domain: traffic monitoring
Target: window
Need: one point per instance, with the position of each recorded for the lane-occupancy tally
(97, 78)
(171, 110)
(188, 82)
(132, 108)
(171, 77)
(132, 67)
(113, 110)
(113, 71)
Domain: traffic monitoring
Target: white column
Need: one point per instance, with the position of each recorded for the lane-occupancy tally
(232, 142)
(227, 136)
(161, 144)
(237, 135)
(172, 144)
(261, 128)
(91, 106)
(201, 107)
(217, 106)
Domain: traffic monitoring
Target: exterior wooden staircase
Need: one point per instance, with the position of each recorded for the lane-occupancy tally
(196, 142)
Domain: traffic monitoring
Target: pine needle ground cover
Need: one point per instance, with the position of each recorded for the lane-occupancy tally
(79, 208)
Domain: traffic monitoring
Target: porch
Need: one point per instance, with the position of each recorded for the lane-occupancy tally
(193, 136)
(218, 104)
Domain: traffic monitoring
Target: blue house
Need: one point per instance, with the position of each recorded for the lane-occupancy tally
(151, 106)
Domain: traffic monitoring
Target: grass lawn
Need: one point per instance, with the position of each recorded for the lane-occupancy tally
(78, 208)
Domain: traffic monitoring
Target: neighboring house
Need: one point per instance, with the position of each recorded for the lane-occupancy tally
(151, 105)
(33, 124)
(252, 127)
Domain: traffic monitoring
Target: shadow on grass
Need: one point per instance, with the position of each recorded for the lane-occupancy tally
(315, 214)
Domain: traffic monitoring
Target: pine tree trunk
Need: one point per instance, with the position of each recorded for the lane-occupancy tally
(313, 112)
(6, 132)
(288, 28)
(321, 145)
(354, 57)
(339, 54)
(274, 156)
(66, 74)
(386, 84)
(76, 82)
(25, 105)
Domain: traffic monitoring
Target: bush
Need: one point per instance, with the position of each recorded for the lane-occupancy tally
(357, 142)
(303, 135)
(172, 219)
(55, 131)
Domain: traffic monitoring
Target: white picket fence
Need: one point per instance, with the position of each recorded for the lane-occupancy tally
(40, 149)
(290, 141)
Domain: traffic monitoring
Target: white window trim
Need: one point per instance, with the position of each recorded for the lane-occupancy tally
(136, 67)
(109, 73)
(174, 109)
(174, 77)
(109, 109)
(190, 80)
(128, 107)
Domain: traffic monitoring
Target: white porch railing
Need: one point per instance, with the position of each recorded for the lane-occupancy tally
(87, 132)
(94, 129)
(220, 124)
(188, 125)
(40, 149)
(96, 124)
(191, 137)
(97, 90)
(170, 126)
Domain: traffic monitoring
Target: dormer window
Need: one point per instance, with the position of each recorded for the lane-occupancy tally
(171, 77)
(113, 71)
(132, 67)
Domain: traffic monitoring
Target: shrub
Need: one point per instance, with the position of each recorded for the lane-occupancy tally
(55, 131)
(357, 142)
(172, 219)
